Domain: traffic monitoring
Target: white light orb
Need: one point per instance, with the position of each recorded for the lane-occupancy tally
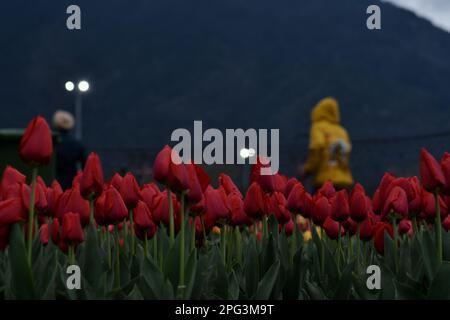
(83, 86)
(69, 86)
(245, 153)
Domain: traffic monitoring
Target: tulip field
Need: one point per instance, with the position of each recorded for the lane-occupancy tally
(179, 237)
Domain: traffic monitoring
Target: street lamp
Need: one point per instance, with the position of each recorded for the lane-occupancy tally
(83, 86)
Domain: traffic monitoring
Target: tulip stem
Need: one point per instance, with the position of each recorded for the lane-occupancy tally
(438, 228)
(71, 255)
(171, 217)
(133, 240)
(181, 285)
(31, 214)
(145, 245)
(155, 248)
(265, 227)
(204, 231)
(358, 248)
(117, 262)
(414, 223)
(394, 226)
(193, 234)
(294, 237)
(108, 242)
(322, 253)
(238, 244)
(339, 248)
(91, 209)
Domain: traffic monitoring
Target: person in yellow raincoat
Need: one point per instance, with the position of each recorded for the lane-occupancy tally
(329, 147)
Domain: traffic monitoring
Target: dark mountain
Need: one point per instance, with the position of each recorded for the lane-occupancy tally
(159, 65)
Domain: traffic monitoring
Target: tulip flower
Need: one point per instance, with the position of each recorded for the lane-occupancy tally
(52, 194)
(396, 205)
(288, 227)
(130, 191)
(149, 193)
(55, 232)
(366, 230)
(236, 206)
(380, 229)
(228, 185)
(277, 206)
(116, 181)
(267, 182)
(195, 192)
(340, 209)
(40, 199)
(429, 206)
(359, 206)
(445, 167)
(43, 234)
(11, 211)
(404, 227)
(322, 210)
(72, 201)
(161, 209)
(289, 186)
(445, 224)
(216, 205)
(72, 232)
(332, 228)
(161, 164)
(296, 200)
(144, 226)
(114, 208)
(327, 189)
(36, 146)
(433, 178)
(254, 202)
(11, 179)
(91, 182)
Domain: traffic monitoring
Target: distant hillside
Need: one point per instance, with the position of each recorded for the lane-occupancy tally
(158, 65)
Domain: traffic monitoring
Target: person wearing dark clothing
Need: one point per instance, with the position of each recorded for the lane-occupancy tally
(70, 153)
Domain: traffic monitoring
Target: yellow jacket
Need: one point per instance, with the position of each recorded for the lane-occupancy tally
(329, 146)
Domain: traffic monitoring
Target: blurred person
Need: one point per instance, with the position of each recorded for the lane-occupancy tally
(70, 153)
(329, 147)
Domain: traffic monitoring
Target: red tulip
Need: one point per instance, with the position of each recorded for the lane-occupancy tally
(359, 206)
(290, 184)
(396, 203)
(429, 206)
(143, 223)
(404, 227)
(432, 176)
(203, 177)
(53, 194)
(11, 179)
(238, 215)
(415, 202)
(40, 201)
(116, 181)
(267, 182)
(195, 192)
(340, 210)
(114, 208)
(322, 210)
(296, 200)
(43, 234)
(445, 224)
(149, 193)
(216, 208)
(72, 233)
(130, 191)
(161, 210)
(366, 229)
(36, 146)
(162, 164)
(380, 229)
(254, 202)
(72, 201)
(288, 227)
(445, 166)
(228, 185)
(91, 182)
(277, 206)
(12, 211)
(350, 226)
(327, 189)
(280, 182)
(331, 228)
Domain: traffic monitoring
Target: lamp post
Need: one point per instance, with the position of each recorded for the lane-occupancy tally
(82, 87)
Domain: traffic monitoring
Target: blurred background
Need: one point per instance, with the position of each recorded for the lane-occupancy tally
(154, 66)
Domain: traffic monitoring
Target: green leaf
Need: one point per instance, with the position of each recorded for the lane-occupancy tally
(440, 288)
(314, 291)
(22, 284)
(158, 287)
(91, 257)
(407, 292)
(267, 283)
(251, 269)
(345, 283)
(191, 272)
(429, 255)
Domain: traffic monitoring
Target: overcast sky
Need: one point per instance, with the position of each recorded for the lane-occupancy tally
(438, 11)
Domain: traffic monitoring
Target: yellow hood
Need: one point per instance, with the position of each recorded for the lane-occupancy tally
(326, 110)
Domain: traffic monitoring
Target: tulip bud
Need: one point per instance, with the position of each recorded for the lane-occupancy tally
(379, 232)
(322, 210)
(340, 210)
(130, 191)
(432, 176)
(254, 202)
(72, 233)
(91, 182)
(36, 146)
